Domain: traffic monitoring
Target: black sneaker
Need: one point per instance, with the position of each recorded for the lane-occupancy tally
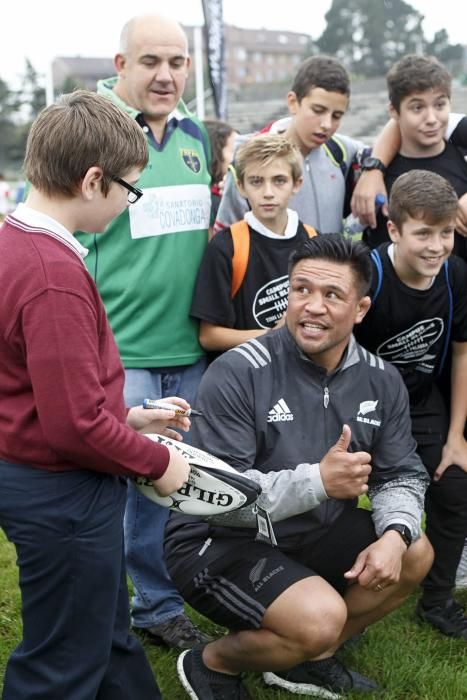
(326, 678)
(203, 684)
(178, 633)
(448, 619)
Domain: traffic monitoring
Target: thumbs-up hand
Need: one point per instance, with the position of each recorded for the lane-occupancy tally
(345, 474)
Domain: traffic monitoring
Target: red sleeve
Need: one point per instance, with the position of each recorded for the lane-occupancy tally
(76, 378)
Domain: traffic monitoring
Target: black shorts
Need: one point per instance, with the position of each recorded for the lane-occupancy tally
(233, 581)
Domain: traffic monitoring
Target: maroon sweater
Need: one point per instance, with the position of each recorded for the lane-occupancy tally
(61, 379)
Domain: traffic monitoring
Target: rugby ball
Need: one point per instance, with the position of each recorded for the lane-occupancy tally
(213, 486)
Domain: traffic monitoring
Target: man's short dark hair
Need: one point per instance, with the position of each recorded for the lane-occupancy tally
(337, 248)
(421, 194)
(321, 72)
(414, 73)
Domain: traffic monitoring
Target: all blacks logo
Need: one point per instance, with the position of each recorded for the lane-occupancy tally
(270, 302)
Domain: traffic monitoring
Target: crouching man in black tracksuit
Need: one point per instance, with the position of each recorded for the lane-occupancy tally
(317, 421)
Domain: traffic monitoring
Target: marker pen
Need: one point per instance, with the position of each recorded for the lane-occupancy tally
(179, 411)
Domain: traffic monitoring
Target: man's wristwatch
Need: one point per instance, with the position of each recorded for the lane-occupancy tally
(370, 163)
(403, 531)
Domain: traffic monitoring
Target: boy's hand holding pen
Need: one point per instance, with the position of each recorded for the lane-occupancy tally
(164, 405)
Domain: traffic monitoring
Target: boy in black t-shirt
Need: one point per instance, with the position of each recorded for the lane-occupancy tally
(419, 309)
(419, 90)
(242, 286)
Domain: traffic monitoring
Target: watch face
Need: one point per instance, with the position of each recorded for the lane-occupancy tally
(403, 531)
(406, 536)
(370, 163)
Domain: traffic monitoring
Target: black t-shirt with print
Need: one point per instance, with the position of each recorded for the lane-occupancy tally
(450, 164)
(262, 298)
(408, 327)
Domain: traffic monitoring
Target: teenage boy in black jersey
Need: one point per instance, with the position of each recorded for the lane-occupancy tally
(234, 306)
(419, 309)
(419, 90)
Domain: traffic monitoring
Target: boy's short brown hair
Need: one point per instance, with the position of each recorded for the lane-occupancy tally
(264, 149)
(414, 73)
(82, 130)
(423, 195)
(324, 72)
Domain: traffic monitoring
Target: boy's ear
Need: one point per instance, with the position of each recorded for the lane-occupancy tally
(91, 183)
(292, 102)
(393, 113)
(394, 233)
(297, 184)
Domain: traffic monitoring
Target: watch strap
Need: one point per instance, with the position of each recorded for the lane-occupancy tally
(403, 531)
(371, 163)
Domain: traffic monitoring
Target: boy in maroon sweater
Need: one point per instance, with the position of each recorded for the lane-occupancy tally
(66, 440)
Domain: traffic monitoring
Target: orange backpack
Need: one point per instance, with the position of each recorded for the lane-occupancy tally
(241, 252)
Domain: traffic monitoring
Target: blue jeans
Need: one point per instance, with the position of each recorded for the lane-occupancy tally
(67, 531)
(156, 599)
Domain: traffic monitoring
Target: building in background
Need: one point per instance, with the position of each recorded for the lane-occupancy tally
(71, 72)
(260, 64)
(252, 56)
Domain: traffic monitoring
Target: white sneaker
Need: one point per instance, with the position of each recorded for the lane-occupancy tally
(461, 575)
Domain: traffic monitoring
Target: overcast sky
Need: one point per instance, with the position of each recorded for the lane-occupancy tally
(43, 29)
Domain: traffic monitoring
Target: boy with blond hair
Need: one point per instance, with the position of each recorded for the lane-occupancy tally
(67, 442)
(242, 285)
(419, 312)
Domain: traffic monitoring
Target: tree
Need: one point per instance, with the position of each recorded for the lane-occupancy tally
(69, 84)
(32, 93)
(18, 109)
(443, 50)
(369, 35)
(8, 129)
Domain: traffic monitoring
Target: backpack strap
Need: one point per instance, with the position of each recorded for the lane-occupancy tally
(375, 256)
(312, 232)
(241, 252)
(450, 315)
(337, 152)
(233, 172)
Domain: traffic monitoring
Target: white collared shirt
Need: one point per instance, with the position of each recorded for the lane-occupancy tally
(42, 223)
(290, 229)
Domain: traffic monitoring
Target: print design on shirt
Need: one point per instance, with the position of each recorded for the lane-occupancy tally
(414, 344)
(270, 302)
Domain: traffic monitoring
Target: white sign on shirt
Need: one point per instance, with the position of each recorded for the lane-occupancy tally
(172, 209)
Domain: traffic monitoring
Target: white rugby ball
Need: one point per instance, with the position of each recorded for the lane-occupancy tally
(213, 486)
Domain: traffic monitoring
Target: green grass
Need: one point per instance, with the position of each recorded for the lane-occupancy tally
(411, 662)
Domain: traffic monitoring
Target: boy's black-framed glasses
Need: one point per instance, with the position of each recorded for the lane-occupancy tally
(134, 193)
